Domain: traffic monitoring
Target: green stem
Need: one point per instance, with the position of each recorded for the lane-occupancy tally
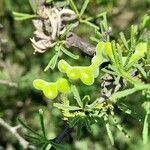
(127, 92)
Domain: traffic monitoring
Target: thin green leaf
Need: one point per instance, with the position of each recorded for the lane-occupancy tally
(87, 124)
(148, 52)
(28, 128)
(35, 141)
(122, 94)
(119, 55)
(65, 101)
(43, 147)
(104, 22)
(145, 130)
(115, 54)
(94, 39)
(52, 63)
(77, 96)
(94, 104)
(84, 6)
(128, 110)
(97, 16)
(97, 32)
(69, 53)
(109, 133)
(139, 52)
(23, 16)
(90, 24)
(39, 143)
(73, 6)
(79, 130)
(57, 49)
(141, 70)
(85, 100)
(122, 36)
(32, 138)
(133, 34)
(146, 21)
(121, 129)
(75, 121)
(107, 125)
(42, 122)
(64, 107)
(102, 28)
(145, 126)
(132, 44)
(68, 28)
(108, 71)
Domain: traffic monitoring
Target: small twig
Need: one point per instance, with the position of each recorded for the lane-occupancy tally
(13, 131)
(9, 83)
(72, 40)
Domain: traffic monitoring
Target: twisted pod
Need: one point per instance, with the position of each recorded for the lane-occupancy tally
(86, 73)
(51, 89)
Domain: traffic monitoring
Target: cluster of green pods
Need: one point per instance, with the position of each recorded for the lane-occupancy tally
(85, 73)
(51, 89)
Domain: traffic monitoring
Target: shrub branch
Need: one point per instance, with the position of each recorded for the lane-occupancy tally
(14, 132)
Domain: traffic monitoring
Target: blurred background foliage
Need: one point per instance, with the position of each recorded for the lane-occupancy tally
(20, 67)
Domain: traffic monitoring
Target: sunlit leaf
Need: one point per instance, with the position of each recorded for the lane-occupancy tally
(140, 49)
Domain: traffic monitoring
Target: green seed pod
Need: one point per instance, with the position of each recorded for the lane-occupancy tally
(50, 91)
(87, 76)
(63, 65)
(73, 73)
(63, 85)
(39, 84)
